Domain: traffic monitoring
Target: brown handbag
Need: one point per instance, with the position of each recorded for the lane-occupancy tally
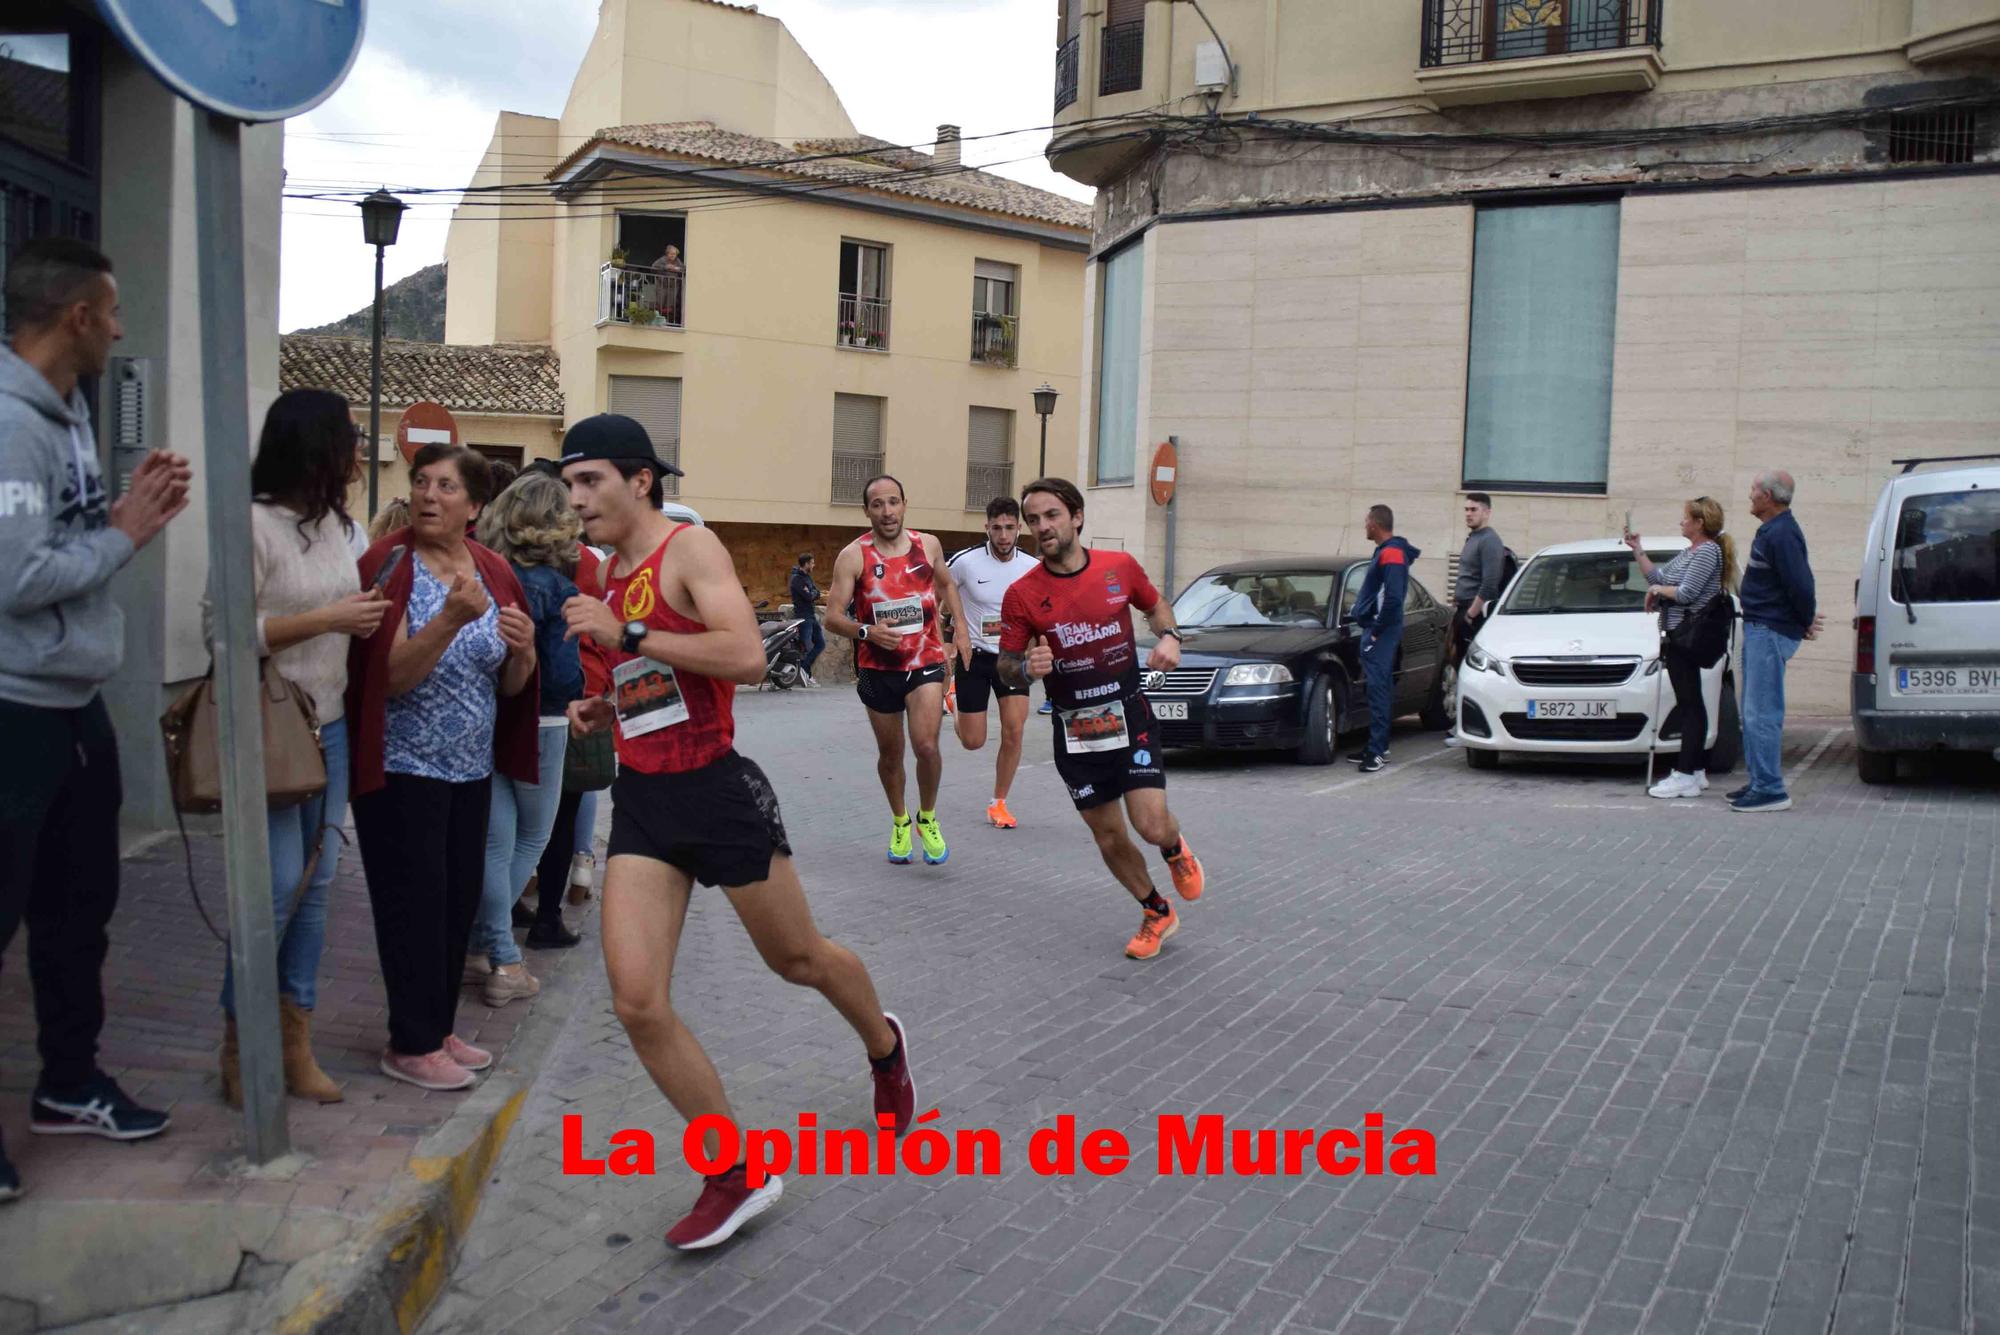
(294, 766)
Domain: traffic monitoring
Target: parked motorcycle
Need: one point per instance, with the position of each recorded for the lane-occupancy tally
(784, 657)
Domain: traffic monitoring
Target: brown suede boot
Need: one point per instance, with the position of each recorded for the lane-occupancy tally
(303, 1077)
(232, 1077)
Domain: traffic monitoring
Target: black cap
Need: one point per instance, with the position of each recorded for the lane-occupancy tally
(613, 436)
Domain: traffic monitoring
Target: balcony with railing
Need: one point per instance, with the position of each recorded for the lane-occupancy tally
(1066, 66)
(1122, 56)
(850, 472)
(985, 481)
(640, 297)
(996, 339)
(864, 322)
(1507, 50)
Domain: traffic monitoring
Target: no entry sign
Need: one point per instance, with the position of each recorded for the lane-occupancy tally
(425, 424)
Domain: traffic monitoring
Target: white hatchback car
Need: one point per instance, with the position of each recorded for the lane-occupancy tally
(1569, 663)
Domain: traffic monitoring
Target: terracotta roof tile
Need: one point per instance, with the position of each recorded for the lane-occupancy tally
(497, 378)
(864, 162)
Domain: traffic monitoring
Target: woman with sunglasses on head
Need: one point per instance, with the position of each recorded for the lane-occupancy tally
(310, 608)
(1680, 589)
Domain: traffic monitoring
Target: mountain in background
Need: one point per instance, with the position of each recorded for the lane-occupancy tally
(412, 308)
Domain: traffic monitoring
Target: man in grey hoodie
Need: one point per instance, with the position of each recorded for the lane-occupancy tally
(61, 637)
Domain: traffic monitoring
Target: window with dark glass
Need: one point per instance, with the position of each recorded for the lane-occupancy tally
(1948, 548)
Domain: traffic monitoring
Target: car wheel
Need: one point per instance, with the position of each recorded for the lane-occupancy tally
(1728, 748)
(1322, 729)
(1478, 759)
(1441, 710)
(1875, 766)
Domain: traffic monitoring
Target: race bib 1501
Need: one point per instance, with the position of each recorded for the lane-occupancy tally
(1095, 728)
(905, 616)
(647, 697)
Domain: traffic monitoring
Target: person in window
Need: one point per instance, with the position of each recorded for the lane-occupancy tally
(1680, 588)
(672, 270)
(310, 608)
(441, 696)
(532, 525)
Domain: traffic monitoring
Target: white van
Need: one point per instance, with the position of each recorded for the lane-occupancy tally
(1927, 618)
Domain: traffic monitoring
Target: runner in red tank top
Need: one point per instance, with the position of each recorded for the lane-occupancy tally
(1071, 621)
(679, 636)
(889, 585)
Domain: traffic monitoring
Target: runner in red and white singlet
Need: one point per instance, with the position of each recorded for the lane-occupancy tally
(889, 586)
(679, 635)
(1070, 621)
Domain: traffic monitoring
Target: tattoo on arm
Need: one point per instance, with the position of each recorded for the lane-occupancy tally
(1011, 668)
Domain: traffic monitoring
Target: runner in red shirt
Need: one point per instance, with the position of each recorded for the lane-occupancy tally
(889, 587)
(678, 636)
(1070, 620)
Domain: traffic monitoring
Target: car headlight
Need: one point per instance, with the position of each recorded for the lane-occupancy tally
(1652, 667)
(1257, 674)
(1480, 661)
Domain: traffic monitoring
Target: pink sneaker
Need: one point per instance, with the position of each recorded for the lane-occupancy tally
(433, 1070)
(462, 1052)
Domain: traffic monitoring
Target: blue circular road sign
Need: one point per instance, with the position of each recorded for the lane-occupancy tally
(254, 60)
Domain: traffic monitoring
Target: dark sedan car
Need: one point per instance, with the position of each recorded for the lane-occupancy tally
(1272, 659)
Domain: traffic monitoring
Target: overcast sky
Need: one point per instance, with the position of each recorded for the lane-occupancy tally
(418, 108)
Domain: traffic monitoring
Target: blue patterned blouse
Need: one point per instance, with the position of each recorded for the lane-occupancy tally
(443, 729)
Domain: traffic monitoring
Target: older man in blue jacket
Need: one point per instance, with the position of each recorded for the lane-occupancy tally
(1779, 610)
(1378, 611)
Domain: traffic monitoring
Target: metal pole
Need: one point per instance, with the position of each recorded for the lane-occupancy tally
(239, 725)
(375, 392)
(1045, 447)
(1173, 504)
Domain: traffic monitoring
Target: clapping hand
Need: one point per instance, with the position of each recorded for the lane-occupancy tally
(466, 601)
(156, 492)
(517, 630)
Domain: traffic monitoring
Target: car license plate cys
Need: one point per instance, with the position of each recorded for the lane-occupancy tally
(1174, 710)
(1963, 680)
(1572, 709)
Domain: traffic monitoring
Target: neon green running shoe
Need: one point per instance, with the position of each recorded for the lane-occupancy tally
(935, 851)
(899, 841)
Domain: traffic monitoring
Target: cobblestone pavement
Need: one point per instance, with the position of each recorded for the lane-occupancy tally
(1686, 1069)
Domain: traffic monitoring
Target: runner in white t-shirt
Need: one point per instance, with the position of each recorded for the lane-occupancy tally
(983, 575)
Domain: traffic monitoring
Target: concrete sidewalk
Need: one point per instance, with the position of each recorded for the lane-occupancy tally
(178, 1233)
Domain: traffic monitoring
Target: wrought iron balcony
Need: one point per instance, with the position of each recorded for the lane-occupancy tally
(985, 481)
(849, 472)
(995, 338)
(1124, 58)
(628, 295)
(864, 322)
(1066, 56)
(1467, 32)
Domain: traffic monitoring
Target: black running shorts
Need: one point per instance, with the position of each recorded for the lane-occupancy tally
(981, 680)
(720, 824)
(887, 692)
(1097, 777)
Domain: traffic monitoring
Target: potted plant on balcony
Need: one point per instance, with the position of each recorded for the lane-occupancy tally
(618, 256)
(847, 332)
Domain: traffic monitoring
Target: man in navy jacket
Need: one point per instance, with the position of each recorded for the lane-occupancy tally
(1779, 610)
(1378, 611)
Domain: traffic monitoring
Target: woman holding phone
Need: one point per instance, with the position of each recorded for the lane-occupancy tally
(1680, 589)
(310, 608)
(441, 696)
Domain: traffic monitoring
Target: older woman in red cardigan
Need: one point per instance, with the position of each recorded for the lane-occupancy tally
(438, 698)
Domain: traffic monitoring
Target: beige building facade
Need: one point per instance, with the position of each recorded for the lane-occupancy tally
(789, 306)
(1587, 256)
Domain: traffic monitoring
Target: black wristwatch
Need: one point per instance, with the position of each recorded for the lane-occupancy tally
(635, 632)
(1176, 634)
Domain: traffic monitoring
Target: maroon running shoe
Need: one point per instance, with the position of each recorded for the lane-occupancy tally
(726, 1204)
(895, 1092)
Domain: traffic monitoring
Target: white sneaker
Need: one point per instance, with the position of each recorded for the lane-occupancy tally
(1701, 780)
(1676, 784)
(582, 871)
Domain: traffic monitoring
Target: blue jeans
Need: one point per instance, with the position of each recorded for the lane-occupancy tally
(291, 832)
(1378, 665)
(586, 826)
(1765, 653)
(516, 833)
(812, 638)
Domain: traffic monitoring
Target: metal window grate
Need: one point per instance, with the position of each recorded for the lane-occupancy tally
(655, 403)
(1066, 71)
(857, 445)
(1942, 137)
(1123, 58)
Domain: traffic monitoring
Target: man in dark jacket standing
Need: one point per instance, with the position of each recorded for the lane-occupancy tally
(1779, 610)
(805, 597)
(1378, 611)
(61, 637)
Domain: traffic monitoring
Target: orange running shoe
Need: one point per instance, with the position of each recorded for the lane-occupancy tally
(998, 814)
(1153, 933)
(1186, 869)
(951, 698)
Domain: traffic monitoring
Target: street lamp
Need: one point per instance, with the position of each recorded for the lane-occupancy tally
(381, 216)
(1045, 403)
